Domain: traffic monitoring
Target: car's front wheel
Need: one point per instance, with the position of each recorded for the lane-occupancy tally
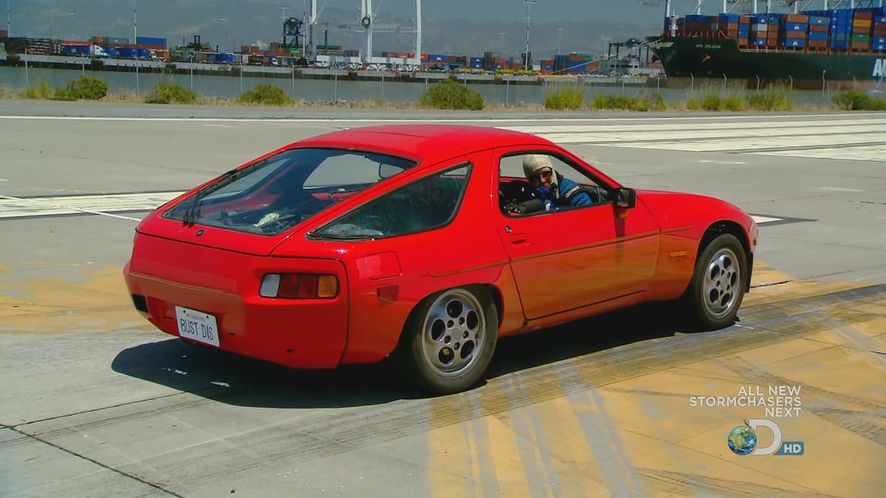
(450, 338)
(718, 283)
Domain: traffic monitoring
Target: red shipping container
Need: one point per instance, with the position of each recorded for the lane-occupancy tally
(795, 35)
(819, 28)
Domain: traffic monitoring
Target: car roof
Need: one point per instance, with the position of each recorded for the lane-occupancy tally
(423, 142)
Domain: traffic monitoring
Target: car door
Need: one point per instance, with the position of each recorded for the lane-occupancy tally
(575, 256)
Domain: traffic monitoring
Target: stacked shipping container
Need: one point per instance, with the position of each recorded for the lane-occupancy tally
(857, 30)
(878, 41)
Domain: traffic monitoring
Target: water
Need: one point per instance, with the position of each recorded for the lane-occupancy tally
(383, 90)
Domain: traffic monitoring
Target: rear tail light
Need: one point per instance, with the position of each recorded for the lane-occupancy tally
(299, 286)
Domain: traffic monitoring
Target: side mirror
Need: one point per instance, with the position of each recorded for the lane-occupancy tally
(624, 197)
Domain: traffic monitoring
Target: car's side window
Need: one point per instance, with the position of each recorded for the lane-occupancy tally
(425, 204)
(537, 182)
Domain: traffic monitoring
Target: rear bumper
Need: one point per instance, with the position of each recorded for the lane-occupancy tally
(309, 333)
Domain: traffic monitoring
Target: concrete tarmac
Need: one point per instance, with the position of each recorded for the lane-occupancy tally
(94, 401)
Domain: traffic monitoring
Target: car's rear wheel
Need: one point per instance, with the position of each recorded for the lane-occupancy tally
(718, 283)
(450, 338)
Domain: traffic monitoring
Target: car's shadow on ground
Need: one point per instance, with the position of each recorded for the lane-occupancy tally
(241, 381)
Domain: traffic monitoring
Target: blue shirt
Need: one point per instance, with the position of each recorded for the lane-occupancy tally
(554, 200)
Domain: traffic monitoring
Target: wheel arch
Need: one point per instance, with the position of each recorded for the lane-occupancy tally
(492, 290)
(730, 227)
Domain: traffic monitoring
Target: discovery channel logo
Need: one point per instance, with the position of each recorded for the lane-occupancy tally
(743, 440)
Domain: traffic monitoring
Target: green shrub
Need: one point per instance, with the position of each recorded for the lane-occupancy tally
(772, 99)
(859, 101)
(41, 90)
(265, 95)
(170, 93)
(83, 88)
(610, 101)
(449, 94)
(641, 102)
(716, 102)
(570, 98)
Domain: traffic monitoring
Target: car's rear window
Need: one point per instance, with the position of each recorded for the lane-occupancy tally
(275, 194)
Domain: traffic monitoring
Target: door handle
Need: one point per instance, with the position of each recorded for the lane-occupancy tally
(518, 238)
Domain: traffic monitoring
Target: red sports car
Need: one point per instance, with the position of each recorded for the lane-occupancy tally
(426, 242)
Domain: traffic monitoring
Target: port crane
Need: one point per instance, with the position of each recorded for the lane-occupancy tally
(368, 27)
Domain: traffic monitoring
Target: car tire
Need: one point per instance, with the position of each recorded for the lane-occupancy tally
(718, 283)
(449, 340)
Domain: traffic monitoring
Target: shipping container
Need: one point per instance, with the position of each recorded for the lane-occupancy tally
(3, 34)
(148, 40)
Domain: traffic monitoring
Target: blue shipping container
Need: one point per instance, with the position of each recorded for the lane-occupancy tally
(799, 43)
(477, 62)
(795, 27)
(75, 50)
(149, 40)
(437, 58)
(819, 20)
(818, 36)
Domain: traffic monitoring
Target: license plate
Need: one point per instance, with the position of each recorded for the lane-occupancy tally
(196, 325)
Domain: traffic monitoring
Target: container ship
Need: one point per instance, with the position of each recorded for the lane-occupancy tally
(837, 48)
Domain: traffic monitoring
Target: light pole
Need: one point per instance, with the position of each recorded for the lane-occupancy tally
(559, 38)
(138, 89)
(529, 4)
(8, 20)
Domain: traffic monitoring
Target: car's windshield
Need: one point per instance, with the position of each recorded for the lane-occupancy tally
(277, 193)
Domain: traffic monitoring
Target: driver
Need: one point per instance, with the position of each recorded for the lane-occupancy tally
(553, 188)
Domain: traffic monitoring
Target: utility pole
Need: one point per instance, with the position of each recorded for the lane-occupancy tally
(529, 4)
(559, 39)
(135, 41)
(8, 20)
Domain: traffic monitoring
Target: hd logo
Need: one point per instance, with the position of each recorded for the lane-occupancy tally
(880, 68)
(743, 440)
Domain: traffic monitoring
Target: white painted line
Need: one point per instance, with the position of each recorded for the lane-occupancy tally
(876, 153)
(645, 119)
(826, 126)
(760, 220)
(103, 205)
(838, 189)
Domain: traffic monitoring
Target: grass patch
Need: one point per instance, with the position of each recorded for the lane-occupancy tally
(450, 94)
(772, 99)
(41, 90)
(716, 102)
(641, 102)
(859, 101)
(570, 98)
(82, 88)
(265, 95)
(170, 93)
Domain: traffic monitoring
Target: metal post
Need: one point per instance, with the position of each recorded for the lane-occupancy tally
(335, 87)
(823, 71)
(135, 41)
(82, 65)
(8, 20)
(691, 83)
(27, 74)
(758, 81)
(241, 77)
(192, 76)
(529, 4)
(791, 78)
(507, 93)
(382, 87)
(292, 83)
